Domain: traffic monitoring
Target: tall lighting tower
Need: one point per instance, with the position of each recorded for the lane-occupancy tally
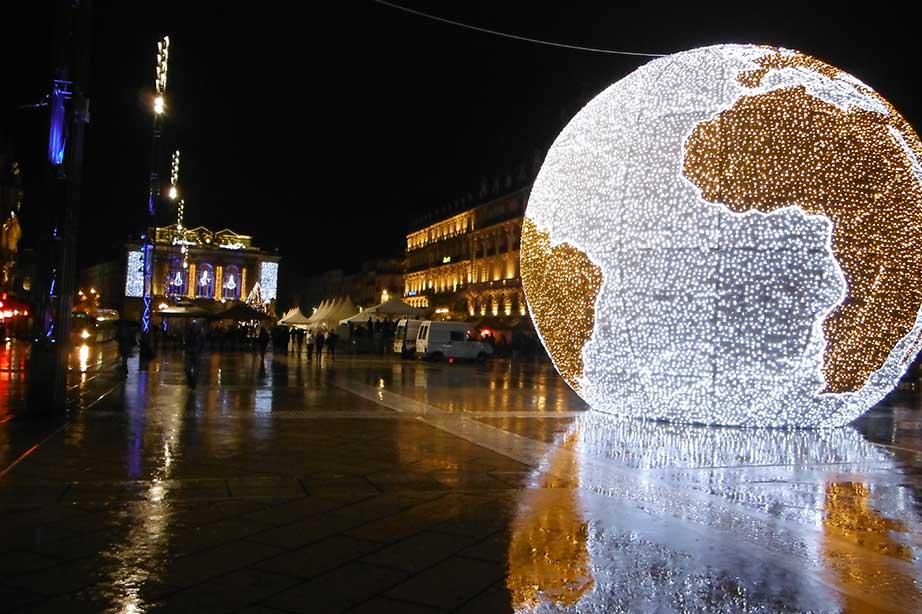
(159, 107)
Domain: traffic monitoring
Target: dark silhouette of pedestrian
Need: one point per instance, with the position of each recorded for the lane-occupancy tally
(310, 347)
(125, 338)
(318, 341)
(195, 343)
(263, 342)
(331, 343)
(299, 336)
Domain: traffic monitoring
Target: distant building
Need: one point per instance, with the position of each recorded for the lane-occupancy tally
(104, 283)
(467, 264)
(197, 264)
(374, 282)
(11, 196)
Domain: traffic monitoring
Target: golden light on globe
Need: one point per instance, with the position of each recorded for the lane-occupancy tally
(729, 235)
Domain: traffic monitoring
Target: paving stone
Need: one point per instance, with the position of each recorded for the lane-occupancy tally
(267, 486)
(494, 548)
(418, 551)
(450, 583)
(496, 600)
(19, 562)
(15, 598)
(383, 605)
(309, 561)
(229, 592)
(196, 568)
(304, 531)
(337, 590)
(281, 514)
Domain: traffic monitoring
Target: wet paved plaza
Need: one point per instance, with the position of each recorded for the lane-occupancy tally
(380, 485)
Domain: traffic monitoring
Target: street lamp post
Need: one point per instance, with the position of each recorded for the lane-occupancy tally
(148, 241)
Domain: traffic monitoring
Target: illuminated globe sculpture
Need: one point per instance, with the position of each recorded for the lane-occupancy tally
(730, 235)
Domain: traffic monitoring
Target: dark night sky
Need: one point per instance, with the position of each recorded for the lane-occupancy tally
(325, 131)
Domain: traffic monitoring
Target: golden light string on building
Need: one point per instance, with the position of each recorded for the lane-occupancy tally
(180, 208)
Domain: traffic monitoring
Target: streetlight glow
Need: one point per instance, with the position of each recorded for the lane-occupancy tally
(158, 105)
(173, 193)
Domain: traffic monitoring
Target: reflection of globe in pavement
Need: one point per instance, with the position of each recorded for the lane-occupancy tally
(729, 235)
(635, 516)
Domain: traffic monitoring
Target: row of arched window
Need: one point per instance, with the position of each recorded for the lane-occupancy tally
(178, 282)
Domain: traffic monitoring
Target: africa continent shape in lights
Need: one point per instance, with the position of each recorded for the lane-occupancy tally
(729, 235)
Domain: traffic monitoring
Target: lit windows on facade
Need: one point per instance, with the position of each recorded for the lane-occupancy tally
(204, 280)
(231, 283)
(202, 265)
(469, 260)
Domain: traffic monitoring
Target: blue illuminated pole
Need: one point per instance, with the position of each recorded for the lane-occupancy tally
(55, 276)
(148, 242)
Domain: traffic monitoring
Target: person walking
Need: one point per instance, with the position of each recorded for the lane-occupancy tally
(263, 342)
(195, 343)
(332, 337)
(310, 346)
(318, 342)
(125, 338)
(299, 336)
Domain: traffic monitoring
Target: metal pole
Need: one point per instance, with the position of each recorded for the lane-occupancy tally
(47, 380)
(149, 242)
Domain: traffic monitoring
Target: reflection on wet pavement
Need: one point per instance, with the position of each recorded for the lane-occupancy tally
(549, 551)
(376, 485)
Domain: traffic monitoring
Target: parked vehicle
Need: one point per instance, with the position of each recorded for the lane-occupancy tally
(449, 341)
(83, 328)
(405, 337)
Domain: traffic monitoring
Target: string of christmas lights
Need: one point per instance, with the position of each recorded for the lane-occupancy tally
(753, 214)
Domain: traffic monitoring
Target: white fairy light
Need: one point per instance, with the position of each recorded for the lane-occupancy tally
(134, 279)
(268, 279)
(694, 232)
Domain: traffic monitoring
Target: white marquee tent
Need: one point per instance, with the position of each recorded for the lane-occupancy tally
(393, 309)
(330, 313)
(294, 317)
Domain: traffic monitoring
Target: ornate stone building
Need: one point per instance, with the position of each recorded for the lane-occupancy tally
(467, 265)
(202, 265)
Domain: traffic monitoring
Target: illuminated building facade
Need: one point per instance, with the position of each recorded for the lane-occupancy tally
(201, 265)
(467, 265)
(11, 196)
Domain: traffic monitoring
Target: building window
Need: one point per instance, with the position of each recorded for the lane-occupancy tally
(231, 286)
(176, 283)
(204, 280)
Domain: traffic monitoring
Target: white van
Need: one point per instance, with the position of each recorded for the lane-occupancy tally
(449, 340)
(405, 337)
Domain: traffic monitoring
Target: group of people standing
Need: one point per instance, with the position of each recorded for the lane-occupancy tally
(286, 339)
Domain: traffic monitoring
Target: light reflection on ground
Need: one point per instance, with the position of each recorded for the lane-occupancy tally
(715, 519)
(457, 487)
